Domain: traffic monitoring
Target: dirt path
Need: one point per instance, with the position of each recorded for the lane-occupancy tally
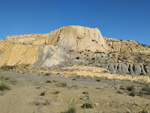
(17, 100)
(105, 95)
(23, 93)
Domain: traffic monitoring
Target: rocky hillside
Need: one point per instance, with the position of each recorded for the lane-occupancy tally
(74, 45)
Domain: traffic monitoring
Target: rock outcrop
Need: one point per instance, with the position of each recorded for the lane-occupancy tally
(133, 69)
(75, 45)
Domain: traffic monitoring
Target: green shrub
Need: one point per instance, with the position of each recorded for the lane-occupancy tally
(87, 106)
(54, 80)
(71, 110)
(48, 81)
(7, 68)
(98, 80)
(144, 111)
(4, 78)
(132, 93)
(85, 92)
(4, 87)
(130, 88)
(122, 87)
(47, 74)
(42, 93)
(62, 84)
(81, 98)
(46, 102)
(119, 92)
(13, 81)
(56, 92)
(146, 88)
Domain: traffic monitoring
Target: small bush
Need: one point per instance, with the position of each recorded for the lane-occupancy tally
(13, 81)
(146, 88)
(54, 81)
(74, 79)
(87, 106)
(7, 68)
(56, 92)
(98, 80)
(130, 88)
(4, 87)
(85, 92)
(132, 93)
(42, 93)
(4, 78)
(119, 92)
(81, 98)
(46, 102)
(71, 110)
(122, 87)
(48, 81)
(144, 111)
(47, 74)
(62, 84)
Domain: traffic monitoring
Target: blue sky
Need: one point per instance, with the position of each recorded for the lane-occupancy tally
(120, 19)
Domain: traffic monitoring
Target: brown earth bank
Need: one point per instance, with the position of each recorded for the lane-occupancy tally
(48, 93)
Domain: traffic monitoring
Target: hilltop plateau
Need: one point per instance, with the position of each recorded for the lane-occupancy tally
(74, 45)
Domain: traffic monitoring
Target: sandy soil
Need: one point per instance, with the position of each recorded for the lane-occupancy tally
(31, 94)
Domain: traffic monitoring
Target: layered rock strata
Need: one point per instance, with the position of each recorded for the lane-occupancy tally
(75, 45)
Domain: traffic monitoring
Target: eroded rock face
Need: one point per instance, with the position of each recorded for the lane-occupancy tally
(72, 45)
(133, 69)
(75, 45)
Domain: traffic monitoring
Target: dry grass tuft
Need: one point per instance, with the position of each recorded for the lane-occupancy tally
(4, 87)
